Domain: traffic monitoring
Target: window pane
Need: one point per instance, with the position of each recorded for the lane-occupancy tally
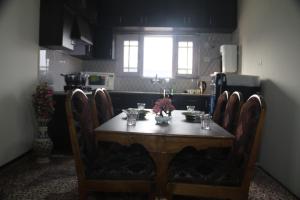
(190, 58)
(126, 55)
(158, 56)
(130, 56)
(133, 57)
(134, 43)
(182, 57)
(185, 57)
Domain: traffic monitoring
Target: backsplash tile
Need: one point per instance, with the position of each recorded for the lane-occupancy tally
(58, 63)
(209, 62)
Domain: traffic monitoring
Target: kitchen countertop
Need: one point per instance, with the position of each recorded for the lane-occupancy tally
(133, 92)
(140, 92)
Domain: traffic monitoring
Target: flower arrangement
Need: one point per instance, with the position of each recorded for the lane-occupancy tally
(163, 106)
(43, 102)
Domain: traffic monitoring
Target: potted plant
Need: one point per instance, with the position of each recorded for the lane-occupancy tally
(163, 108)
(43, 105)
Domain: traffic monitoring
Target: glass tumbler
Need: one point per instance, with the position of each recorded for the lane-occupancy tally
(132, 117)
(141, 106)
(190, 108)
(206, 122)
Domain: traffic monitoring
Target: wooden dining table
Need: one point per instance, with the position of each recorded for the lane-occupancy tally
(163, 141)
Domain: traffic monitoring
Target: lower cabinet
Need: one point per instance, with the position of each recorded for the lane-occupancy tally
(122, 100)
(58, 126)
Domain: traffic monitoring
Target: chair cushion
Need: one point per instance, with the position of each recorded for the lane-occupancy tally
(194, 166)
(117, 162)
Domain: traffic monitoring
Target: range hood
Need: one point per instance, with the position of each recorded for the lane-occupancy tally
(81, 32)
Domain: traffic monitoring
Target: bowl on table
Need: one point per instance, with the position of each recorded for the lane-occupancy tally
(192, 116)
(141, 113)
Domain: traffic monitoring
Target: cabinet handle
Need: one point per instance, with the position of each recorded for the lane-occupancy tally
(210, 21)
(120, 19)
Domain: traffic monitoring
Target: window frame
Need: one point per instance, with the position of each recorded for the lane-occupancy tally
(196, 56)
(120, 54)
(121, 37)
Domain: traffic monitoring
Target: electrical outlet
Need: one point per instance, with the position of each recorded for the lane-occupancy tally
(260, 62)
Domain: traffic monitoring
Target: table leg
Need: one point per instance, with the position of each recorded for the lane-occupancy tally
(162, 161)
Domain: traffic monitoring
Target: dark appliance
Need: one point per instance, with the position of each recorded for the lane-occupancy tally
(76, 80)
(220, 82)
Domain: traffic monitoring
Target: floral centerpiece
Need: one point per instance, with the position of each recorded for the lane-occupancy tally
(43, 105)
(163, 108)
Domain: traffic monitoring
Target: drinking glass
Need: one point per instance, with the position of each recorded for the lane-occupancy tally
(132, 117)
(205, 124)
(141, 106)
(190, 108)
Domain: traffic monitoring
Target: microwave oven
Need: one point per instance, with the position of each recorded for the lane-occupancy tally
(100, 80)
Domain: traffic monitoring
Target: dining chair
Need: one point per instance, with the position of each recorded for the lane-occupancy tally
(232, 111)
(228, 178)
(110, 105)
(218, 114)
(101, 107)
(123, 169)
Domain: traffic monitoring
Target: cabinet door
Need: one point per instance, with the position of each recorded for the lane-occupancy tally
(104, 44)
(55, 25)
(223, 15)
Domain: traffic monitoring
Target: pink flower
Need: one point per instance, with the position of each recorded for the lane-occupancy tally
(163, 105)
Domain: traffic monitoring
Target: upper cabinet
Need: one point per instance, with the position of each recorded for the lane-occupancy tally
(56, 22)
(66, 25)
(206, 15)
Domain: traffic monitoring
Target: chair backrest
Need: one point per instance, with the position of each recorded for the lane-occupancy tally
(111, 109)
(232, 111)
(220, 108)
(247, 136)
(100, 107)
(81, 131)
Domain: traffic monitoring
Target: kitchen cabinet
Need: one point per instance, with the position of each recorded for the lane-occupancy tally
(58, 127)
(56, 22)
(123, 100)
(104, 44)
(222, 15)
(209, 15)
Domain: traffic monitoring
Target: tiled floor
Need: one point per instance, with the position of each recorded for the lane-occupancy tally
(26, 180)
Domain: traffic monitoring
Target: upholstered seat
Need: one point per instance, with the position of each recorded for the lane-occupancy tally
(229, 177)
(122, 162)
(218, 114)
(105, 166)
(198, 169)
(232, 111)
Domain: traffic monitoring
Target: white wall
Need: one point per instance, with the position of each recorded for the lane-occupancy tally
(19, 22)
(269, 35)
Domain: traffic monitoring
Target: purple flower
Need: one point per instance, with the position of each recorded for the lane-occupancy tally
(163, 105)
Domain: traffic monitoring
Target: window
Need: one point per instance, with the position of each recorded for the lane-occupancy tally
(163, 55)
(158, 55)
(185, 57)
(130, 56)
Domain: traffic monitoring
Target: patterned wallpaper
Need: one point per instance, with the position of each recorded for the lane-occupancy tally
(209, 62)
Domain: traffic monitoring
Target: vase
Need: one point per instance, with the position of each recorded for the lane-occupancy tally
(162, 119)
(42, 145)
